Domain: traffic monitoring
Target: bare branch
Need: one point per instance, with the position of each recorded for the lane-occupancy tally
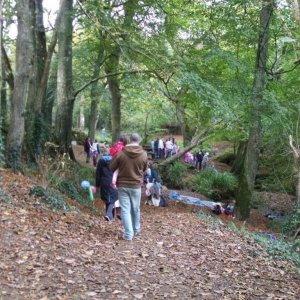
(296, 152)
(105, 76)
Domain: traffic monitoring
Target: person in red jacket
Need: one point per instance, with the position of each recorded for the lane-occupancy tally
(123, 140)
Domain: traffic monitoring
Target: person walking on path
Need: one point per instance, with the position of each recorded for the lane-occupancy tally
(103, 181)
(199, 158)
(132, 163)
(204, 163)
(87, 148)
(123, 140)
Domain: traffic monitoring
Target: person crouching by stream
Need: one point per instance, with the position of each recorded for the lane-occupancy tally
(103, 181)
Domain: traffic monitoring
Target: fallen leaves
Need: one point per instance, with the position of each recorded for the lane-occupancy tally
(46, 255)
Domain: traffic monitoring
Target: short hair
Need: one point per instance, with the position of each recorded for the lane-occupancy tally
(135, 138)
(105, 150)
(123, 138)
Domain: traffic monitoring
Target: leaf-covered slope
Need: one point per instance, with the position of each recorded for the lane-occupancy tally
(77, 255)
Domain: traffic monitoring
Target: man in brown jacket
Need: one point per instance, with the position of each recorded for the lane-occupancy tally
(132, 163)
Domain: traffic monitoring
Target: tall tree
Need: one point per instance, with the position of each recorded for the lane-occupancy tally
(1, 64)
(251, 154)
(35, 134)
(65, 98)
(37, 127)
(94, 113)
(112, 66)
(24, 52)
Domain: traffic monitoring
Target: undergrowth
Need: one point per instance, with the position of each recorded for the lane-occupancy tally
(209, 180)
(175, 173)
(277, 248)
(4, 197)
(51, 197)
(292, 223)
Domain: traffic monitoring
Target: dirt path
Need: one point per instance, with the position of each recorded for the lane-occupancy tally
(76, 255)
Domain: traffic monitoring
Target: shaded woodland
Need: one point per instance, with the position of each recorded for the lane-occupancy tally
(216, 70)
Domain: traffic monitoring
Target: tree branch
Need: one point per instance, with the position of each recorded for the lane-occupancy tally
(105, 76)
(296, 152)
(196, 140)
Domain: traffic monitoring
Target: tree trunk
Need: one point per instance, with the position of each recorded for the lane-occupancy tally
(114, 87)
(65, 98)
(239, 160)
(186, 131)
(42, 89)
(251, 154)
(112, 66)
(35, 126)
(94, 113)
(296, 154)
(24, 51)
(81, 114)
(296, 9)
(2, 74)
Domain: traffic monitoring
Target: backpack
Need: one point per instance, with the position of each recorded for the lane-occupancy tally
(162, 201)
(217, 209)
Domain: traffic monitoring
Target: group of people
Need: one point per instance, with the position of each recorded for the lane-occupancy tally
(164, 148)
(92, 149)
(199, 160)
(119, 177)
(122, 170)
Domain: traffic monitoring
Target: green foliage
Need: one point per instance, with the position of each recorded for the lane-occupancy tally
(175, 174)
(36, 136)
(51, 197)
(70, 189)
(13, 158)
(205, 217)
(292, 223)
(209, 180)
(275, 247)
(226, 157)
(4, 197)
(2, 148)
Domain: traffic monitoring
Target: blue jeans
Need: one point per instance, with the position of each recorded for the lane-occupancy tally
(130, 200)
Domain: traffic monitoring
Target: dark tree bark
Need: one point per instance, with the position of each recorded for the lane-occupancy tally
(95, 97)
(2, 74)
(65, 98)
(24, 51)
(239, 160)
(251, 153)
(112, 66)
(114, 87)
(296, 154)
(35, 129)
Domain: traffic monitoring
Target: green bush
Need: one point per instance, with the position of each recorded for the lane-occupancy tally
(69, 188)
(175, 174)
(209, 180)
(13, 158)
(226, 157)
(4, 197)
(292, 223)
(51, 197)
(275, 247)
(2, 149)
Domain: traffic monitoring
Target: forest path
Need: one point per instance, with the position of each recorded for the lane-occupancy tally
(78, 255)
